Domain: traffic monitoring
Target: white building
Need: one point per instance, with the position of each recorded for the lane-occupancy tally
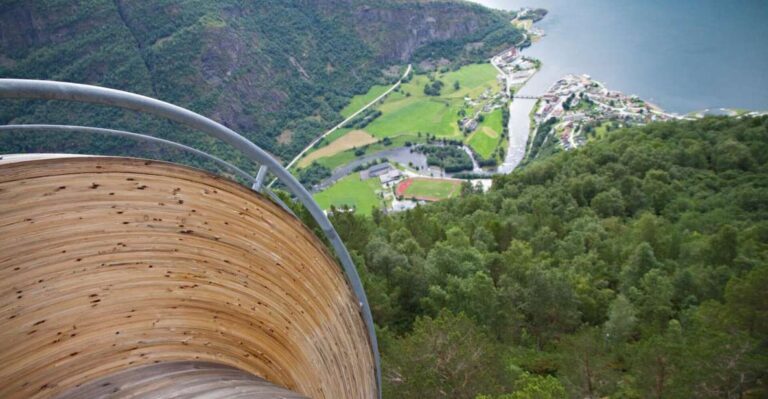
(391, 176)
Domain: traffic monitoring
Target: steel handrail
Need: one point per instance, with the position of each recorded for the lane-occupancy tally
(122, 133)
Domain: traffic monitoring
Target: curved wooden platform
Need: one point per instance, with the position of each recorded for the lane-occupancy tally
(177, 380)
(108, 264)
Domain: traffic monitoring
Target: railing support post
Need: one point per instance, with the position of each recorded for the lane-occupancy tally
(260, 178)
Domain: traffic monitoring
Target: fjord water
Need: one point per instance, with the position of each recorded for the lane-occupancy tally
(684, 55)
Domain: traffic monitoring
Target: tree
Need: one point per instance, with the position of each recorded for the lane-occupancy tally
(456, 85)
(657, 360)
(452, 258)
(747, 302)
(724, 360)
(657, 188)
(641, 262)
(382, 259)
(586, 364)
(731, 154)
(622, 320)
(654, 299)
(550, 305)
(476, 296)
(449, 357)
(630, 304)
(531, 386)
(433, 89)
(723, 246)
(608, 203)
(354, 231)
(467, 189)
(313, 174)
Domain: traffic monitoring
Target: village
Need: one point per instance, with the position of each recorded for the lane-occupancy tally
(578, 106)
(514, 69)
(575, 108)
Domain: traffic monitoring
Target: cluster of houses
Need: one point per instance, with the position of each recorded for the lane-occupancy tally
(489, 100)
(515, 69)
(579, 104)
(468, 124)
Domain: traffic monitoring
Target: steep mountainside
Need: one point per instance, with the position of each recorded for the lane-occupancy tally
(277, 71)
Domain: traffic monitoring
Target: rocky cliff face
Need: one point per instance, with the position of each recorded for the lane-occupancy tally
(261, 67)
(397, 32)
(396, 29)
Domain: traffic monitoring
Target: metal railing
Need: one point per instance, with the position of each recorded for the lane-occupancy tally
(52, 90)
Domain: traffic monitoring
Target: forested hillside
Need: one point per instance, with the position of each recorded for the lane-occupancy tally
(279, 72)
(635, 267)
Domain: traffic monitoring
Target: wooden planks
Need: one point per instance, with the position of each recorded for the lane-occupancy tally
(107, 264)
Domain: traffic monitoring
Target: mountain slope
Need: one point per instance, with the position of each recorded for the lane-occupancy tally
(277, 72)
(633, 267)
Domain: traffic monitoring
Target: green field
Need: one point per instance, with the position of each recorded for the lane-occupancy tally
(434, 115)
(602, 129)
(362, 100)
(353, 192)
(485, 139)
(473, 80)
(404, 116)
(409, 115)
(431, 189)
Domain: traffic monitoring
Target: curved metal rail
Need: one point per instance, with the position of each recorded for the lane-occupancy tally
(53, 90)
(122, 133)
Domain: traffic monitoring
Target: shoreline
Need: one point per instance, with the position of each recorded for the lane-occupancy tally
(519, 126)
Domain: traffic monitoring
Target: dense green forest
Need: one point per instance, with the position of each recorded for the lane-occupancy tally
(278, 72)
(634, 267)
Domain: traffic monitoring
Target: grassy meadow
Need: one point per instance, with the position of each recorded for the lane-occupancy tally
(485, 139)
(353, 192)
(349, 141)
(408, 112)
(361, 100)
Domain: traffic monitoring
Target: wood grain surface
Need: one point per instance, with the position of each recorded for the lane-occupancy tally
(107, 264)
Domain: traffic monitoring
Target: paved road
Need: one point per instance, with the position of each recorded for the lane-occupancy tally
(401, 155)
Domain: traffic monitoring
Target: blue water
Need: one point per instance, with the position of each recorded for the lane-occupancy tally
(684, 55)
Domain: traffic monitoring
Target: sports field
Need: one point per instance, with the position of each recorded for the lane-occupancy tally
(428, 189)
(353, 192)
